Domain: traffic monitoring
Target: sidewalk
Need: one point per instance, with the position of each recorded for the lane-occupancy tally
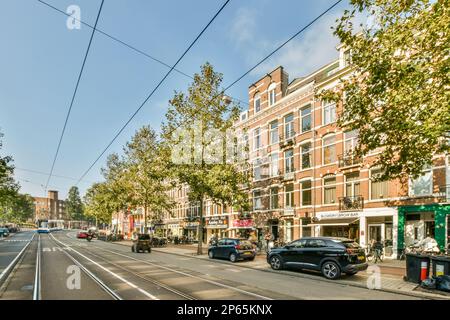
(386, 276)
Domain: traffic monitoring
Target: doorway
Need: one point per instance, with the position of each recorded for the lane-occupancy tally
(376, 233)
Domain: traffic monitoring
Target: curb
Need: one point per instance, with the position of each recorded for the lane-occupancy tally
(352, 284)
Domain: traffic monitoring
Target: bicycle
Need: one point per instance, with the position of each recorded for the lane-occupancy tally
(375, 254)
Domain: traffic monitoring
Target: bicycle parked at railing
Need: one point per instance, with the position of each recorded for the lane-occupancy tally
(375, 252)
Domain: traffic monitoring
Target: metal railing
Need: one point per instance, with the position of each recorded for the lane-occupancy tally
(348, 160)
(287, 138)
(444, 193)
(351, 203)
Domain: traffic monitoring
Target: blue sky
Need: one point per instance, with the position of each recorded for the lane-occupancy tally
(40, 60)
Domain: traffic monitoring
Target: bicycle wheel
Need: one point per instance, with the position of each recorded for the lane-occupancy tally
(369, 257)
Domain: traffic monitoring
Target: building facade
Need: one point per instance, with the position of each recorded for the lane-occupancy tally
(50, 207)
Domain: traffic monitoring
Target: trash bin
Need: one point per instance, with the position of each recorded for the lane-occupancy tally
(417, 267)
(441, 265)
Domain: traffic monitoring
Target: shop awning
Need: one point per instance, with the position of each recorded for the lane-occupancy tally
(333, 222)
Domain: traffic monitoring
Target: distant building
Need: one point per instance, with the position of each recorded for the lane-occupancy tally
(50, 207)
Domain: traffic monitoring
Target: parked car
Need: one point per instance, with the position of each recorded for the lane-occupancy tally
(141, 243)
(82, 234)
(232, 249)
(4, 232)
(332, 256)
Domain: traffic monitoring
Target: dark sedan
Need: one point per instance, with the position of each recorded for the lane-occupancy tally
(331, 256)
(232, 249)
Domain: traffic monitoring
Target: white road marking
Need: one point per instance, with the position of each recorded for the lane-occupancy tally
(192, 276)
(13, 263)
(109, 271)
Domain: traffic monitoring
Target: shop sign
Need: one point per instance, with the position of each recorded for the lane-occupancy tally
(173, 226)
(191, 224)
(338, 215)
(217, 222)
(247, 223)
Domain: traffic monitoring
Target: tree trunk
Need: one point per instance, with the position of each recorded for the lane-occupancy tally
(200, 229)
(145, 219)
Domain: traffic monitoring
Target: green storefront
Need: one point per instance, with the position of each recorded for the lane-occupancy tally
(417, 222)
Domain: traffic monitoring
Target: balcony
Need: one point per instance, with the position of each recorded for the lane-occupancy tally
(288, 139)
(355, 203)
(289, 175)
(349, 160)
(288, 211)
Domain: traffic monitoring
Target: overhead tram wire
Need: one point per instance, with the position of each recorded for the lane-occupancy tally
(46, 174)
(73, 96)
(129, 46)
(234, 82)
(154, 90)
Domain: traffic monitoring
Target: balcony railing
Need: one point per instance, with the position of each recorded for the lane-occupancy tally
(444, 193)
(351, 203)
(288, 138)
(349, 160)
(288, 211)
(289, 175)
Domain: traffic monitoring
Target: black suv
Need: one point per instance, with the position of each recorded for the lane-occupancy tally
(331, 256)
(141, 243)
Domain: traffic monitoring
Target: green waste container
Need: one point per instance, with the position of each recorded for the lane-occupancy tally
(417, 267)
(441, 265)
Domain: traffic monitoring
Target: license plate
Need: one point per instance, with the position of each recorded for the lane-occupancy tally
(247, 253)
(361, 258)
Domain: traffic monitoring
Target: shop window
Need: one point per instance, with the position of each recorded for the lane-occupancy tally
(379, 189)
(329, 149)
(329, 190)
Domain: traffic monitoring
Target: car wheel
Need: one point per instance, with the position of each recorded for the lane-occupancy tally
(331, 270)
(211, 254)
(233, 257)
(149, 250)
(132, 249)
(276, 263)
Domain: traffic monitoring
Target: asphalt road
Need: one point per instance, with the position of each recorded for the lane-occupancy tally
(70, 268)
(11, 246)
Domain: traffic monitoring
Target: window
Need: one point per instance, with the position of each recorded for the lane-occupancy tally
(289, 126)
(306, 153)
(350, 141)
(274, 165)
(329, 112)
(379, 189)
(329, 190)
(257, 139)
(257, 102)
(272, 94)
(274, 198)
(257, 170)
(257, 200)
(289, 161)
(347, 58)
(329, 149)
(315, 243)
(298, 243)
(273, 128)
(289, 196)
(305, 115)
(423, 185)
(352, 184)
(306, 193)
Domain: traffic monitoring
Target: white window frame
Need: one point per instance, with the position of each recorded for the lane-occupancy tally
(309, 106)
(302, 153)
(257, 97)
(330, 135)
(257, 137)
(288, 133)
(331, 106)
(411, 182)
(272, 95)
(326, 186)
(370, 186)
(274, 130)
(274, 169)
(289, 195)
(288, 162)
(301, 192)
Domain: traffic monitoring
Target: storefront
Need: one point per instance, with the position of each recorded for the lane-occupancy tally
(174, 230)
(190, 230)
(242, 228)
(217, 225)
(337, 224)
(417, 222)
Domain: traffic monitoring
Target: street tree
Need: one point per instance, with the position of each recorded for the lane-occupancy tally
(74, 204)
(397, 95)
(146, 176)
(97, 205)
(196, 131)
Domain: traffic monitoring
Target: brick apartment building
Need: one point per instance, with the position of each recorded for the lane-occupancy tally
(50, 207)
(306, 180)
